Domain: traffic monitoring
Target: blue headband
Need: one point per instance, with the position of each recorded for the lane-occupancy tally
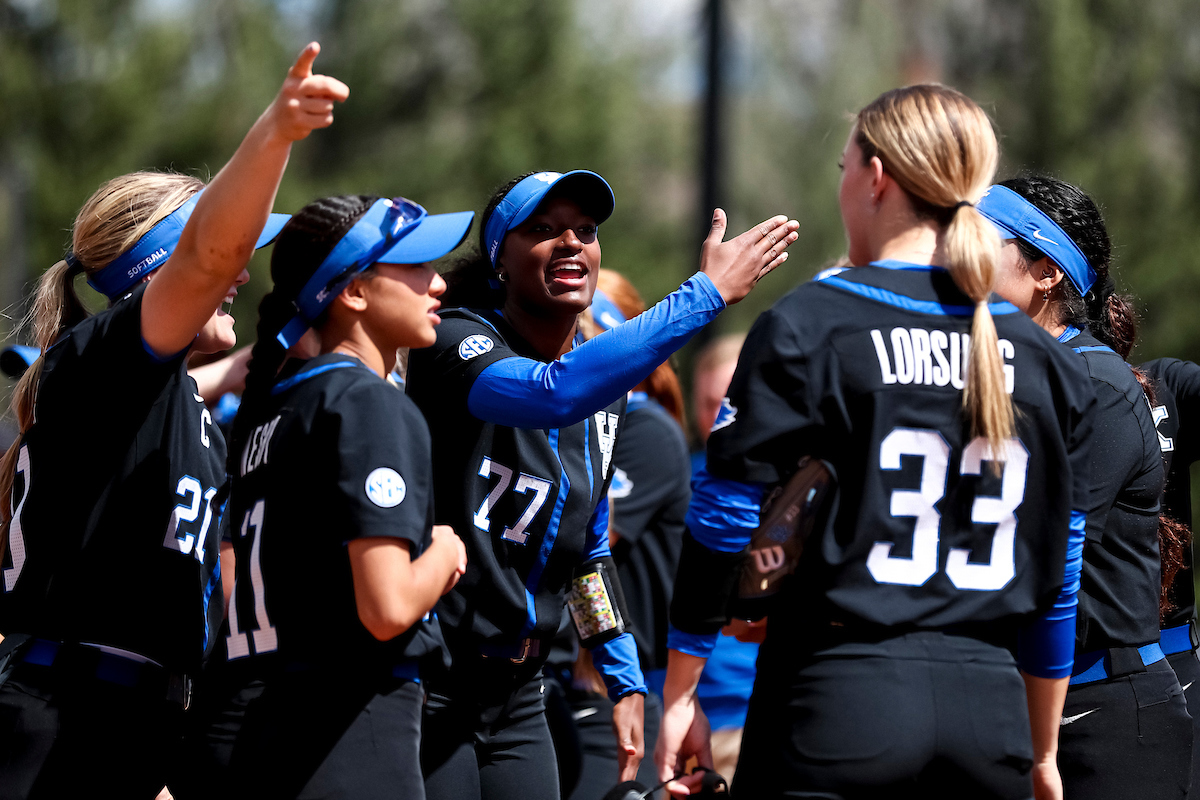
(1017, 218)
(593, 193)
(392, 232)
(152, 250)
(605, 311)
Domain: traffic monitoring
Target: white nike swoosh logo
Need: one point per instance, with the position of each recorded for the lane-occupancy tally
(1069, 720)
(1037, 234)
(583, 713)
(1186, 685)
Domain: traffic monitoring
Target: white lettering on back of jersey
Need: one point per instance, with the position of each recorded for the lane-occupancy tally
(256, 451)
(931, 357)
(1165, 443)
(606, 432)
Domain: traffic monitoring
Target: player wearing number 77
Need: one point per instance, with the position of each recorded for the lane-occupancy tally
(111, 579)
(886, 669)
(524, 424)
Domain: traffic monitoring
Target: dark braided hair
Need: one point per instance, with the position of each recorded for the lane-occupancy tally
(471, 282)
(303, 244)
(1109, 316)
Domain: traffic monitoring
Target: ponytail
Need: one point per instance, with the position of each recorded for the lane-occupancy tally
(1173, 539)
(56, 308)
(972, 249)
(305, 241)
(940, 148)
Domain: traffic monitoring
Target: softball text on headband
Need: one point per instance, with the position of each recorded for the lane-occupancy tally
(394, 231)
(152, 250)
(587, 188)
(1017, 218)
(605, 311)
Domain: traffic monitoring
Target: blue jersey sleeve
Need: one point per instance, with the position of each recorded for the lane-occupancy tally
(526, 393)
(1046, 647)
(617, 662)
(722, 515)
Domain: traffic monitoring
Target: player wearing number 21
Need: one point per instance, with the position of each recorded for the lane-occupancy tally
(112, 546)
(956, 432)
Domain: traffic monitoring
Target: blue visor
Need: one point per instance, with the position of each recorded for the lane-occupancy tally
(592, 192)
(152, 250)
(16, 358)
(605, 311)
(396, 231)
(1017, 218)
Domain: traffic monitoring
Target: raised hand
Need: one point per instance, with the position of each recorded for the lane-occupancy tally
(736, 266)
(305, 101)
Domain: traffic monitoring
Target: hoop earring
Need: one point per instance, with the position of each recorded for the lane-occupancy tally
(502, 277)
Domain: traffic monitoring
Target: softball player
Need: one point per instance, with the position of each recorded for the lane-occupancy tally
(1176, 393)
(954, 525)
(338, 560)
(1125, 727)
(110, 562)
(524, 428)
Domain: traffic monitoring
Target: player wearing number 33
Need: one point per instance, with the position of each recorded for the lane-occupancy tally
(524, 424)
(957, 433)
(111, 572)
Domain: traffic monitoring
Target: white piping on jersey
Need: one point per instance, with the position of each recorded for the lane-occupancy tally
(116, 651)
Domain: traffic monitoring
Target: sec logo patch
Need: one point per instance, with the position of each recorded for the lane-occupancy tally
(472, 346)
(385, 487)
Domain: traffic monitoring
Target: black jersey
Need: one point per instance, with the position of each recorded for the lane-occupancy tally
(118, 500)
(1176, 415)
(1120, 586)
(336, 454)
(864, 368)
(521, 499)
(649, 497)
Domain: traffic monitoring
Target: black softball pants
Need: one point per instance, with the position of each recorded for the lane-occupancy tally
(923, 714)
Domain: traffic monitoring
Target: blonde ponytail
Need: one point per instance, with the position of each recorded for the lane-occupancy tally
(940, 147)
(111, 221)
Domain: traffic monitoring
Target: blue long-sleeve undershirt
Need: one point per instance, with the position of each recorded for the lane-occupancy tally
(1046, 647)
(721, 516)
(526, 393)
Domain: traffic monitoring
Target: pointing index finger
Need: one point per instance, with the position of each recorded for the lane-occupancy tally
(303, 66)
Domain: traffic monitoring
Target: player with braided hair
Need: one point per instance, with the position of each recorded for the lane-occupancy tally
(1125, 727)
(338, 560)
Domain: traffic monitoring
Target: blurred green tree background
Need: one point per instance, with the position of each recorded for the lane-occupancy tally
(451, 97)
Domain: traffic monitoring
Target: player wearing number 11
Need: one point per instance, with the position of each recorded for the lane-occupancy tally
(958, 436)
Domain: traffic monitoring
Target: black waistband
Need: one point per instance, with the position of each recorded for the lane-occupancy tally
(76, 661)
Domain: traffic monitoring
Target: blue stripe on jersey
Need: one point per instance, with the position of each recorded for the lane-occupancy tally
(301, 377)
(535, 574)
(892, 263)
(598, 530)
(1046, 647)
(700, 645)
(911, 304)
(1070, 333)
(1094, 348)
(587, 453)
(637, 400)
(214, 581)
(722, 512)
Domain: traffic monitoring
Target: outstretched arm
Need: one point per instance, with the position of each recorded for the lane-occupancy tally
(219, 238)
(525, 393)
